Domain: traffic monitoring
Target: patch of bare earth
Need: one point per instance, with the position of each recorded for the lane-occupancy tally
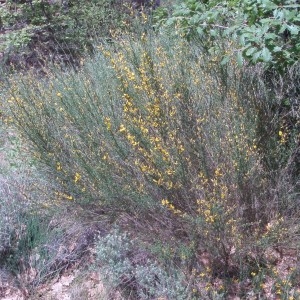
(75, 284)
(8, 287)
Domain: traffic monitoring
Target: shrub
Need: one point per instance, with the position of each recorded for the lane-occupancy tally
(263, 31)
(13, 190)
(116, 255)
(11, 210)
(33, 248)
(38, 31)
(159, 131)
(113, 253)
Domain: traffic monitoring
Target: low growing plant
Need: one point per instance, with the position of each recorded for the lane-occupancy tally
(145, 279)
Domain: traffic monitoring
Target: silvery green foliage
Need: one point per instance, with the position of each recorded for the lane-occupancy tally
(11, 209)
(16, 181)
(114, 254)
(153, 282)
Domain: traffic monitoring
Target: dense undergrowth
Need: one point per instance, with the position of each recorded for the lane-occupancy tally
(36, 33)
(195, 161)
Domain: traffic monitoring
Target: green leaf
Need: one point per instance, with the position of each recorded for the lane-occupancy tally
(269, 5)
(213, 33)
(240, 59)
(225, 60)
(195, 19)
(277, 49)
(250, 51)
(286, 102)
(270, 36)
(200, 30)
(266, 55)
(293, 29)
(256, 56)
(282, 28)
(185, 12)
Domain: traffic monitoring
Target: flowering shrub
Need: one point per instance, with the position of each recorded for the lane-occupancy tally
(156, 129)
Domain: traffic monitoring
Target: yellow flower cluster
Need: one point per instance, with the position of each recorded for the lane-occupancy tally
(166, 203)
(64, 196)
(77, 177)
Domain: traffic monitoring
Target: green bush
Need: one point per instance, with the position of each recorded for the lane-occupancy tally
(11, 210)
(157, 130)
(113, 253)
(43, 248)
(118, 265)
(59, 31)
(271, 33)
(262, 31)
(31, 243)
(13, 188)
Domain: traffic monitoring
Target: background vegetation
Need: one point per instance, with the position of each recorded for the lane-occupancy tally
(175, 131)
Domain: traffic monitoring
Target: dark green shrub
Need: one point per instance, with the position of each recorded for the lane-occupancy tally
(59, 31)
(262, 30)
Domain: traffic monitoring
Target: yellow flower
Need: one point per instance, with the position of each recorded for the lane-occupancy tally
(280, 133)
(164, 202)
(63, 195)
(122, 128)
(171, 206)
(144, 130)
(159, 181)
(58, 166)
(59, 95)
(170, 171)
(278, 292)
(218, 172)
(77, 177)
(180, 148)
(68, 197)
(107, 123)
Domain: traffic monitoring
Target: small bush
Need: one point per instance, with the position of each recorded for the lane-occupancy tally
(145, 279)
(34, 247)
(44, 248)
(11, 211)
(113, 253)
(14, 192)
